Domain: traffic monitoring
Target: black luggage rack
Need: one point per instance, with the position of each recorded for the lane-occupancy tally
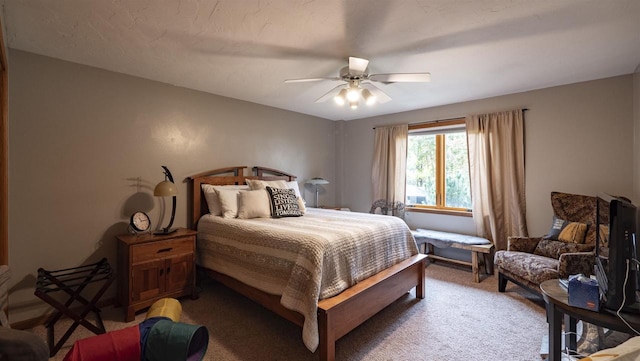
(73, 281)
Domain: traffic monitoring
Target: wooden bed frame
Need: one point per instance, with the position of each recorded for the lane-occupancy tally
(337, 315)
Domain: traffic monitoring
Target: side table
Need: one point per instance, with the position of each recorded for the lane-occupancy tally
(151, 267)
(556, 299)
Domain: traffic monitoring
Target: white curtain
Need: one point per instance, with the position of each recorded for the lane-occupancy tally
(496, 166)
(390, 163)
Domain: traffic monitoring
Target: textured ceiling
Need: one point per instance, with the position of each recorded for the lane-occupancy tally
(245, 49)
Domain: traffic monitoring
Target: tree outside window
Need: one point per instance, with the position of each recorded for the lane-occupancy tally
(438, 168)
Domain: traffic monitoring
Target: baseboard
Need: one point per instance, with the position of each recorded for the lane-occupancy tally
(41, 320)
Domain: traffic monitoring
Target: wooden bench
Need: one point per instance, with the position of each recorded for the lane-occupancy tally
(477, 246)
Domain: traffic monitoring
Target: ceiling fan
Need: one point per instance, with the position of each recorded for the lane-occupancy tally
(359, 84)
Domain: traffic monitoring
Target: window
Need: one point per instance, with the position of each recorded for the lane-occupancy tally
(438, 166)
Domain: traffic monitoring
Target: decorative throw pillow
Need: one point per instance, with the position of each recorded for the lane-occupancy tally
(553, 249)
(604, 236)
(254, 204)
(566, 231)
(212, 197)
(228, 199)
(284, 203)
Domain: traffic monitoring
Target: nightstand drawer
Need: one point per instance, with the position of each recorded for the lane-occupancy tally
(161, 249)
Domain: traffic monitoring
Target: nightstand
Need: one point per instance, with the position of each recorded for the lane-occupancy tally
(151, 267)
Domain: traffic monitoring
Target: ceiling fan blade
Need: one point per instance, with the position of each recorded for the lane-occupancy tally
(401, 77)
(357, 66)
(330, 94)
(381, 97)
(309, 80)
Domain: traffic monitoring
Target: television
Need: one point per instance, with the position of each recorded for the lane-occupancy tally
(617, 254)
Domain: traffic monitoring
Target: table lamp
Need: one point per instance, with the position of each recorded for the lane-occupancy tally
(167, 188)
(317, 181)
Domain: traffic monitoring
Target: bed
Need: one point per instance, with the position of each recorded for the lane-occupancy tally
(326, 307)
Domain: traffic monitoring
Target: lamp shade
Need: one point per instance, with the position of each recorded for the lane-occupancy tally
(317, 180)
(353, 94)
(368, 97)
(165, 189)
(340, 99)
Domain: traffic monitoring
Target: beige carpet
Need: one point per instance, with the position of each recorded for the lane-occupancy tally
(458, 320)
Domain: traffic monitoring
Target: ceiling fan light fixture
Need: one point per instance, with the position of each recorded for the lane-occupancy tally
(340, 98)
(353, 94)
(356, 74)
(368, 97)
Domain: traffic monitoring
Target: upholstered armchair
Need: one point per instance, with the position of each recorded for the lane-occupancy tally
(567, 249)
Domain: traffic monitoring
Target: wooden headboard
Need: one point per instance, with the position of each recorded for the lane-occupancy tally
(226, 176)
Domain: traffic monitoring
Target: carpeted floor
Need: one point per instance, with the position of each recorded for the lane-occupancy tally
(458, 320)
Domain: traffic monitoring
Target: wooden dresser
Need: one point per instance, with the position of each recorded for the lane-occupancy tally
(151, 267)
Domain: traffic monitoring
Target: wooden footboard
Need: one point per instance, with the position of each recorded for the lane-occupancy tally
(338, 315)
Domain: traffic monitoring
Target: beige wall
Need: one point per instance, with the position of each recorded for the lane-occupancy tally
(578, 138)
(86, 148)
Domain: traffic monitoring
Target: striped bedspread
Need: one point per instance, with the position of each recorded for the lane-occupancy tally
(306, 258)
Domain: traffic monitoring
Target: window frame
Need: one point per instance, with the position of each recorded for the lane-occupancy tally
(440, 169)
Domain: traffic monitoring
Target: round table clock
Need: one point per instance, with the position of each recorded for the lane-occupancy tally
(139, 223)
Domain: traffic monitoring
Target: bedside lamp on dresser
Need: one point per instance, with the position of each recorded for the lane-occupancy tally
(167, 188)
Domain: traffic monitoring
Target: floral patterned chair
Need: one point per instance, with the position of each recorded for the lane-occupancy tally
(567, 249)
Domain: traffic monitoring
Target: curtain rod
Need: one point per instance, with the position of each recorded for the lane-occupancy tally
(446, 120)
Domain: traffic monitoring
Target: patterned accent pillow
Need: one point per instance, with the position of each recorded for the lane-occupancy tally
(553, 249)
(284, 203)
(566, 231)
(604, 236)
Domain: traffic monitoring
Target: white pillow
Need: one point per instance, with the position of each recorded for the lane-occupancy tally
(301, 204)
(262, 184)
(256, 184)
(294, 185)
(212, 197)
(254, 204)
(228, 199)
